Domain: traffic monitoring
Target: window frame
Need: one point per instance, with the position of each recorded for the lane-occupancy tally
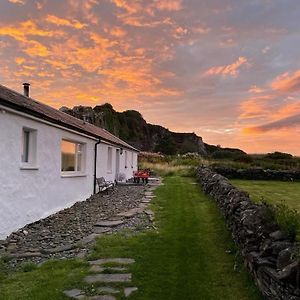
(78, 153)
(29, 149)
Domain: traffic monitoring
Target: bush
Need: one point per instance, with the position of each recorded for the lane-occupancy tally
(288, 219)
(222, 154)
(279, 155)
(245, 158)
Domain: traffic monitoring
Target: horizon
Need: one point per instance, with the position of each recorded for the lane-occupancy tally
(227, 70)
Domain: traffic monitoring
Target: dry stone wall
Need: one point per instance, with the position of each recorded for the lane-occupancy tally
(268, 253)
(258, 174)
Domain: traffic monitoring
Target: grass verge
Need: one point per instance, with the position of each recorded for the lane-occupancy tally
(191, 257)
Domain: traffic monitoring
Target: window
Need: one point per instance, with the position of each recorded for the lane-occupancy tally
(28, 157)
(72, 156)
(109, 159)
(125, 159)
(132, 160)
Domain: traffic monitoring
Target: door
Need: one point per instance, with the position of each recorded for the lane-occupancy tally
(117, 164)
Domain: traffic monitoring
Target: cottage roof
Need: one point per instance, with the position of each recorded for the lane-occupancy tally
(19, 102)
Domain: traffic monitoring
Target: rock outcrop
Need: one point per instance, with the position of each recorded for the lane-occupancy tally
(132, 128)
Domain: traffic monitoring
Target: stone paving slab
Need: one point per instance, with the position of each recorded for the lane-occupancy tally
(100, 230)
(74, 293)
(103, 297)
(108, 278)
(145, 200)
(88, 239)
(109, 223)
(150, 194)
(129, 290)
(121, 261)
(130, 213)
(96, 269)
(107, 289)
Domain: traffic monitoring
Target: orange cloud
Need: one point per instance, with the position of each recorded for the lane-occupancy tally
(22, 2)
(118, 32)
(255, 89)
(284, 123)
(232, 69)
(254, 107)
(19, 60)
(171, 5)
(64, 22)
(287, 82)
(25, 29)
(35, 48)
(131, 8)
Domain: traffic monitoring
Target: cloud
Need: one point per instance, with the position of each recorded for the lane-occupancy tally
(287, 82)
(256, 107)
(265, 50)
(284, 123)
(169, 5)
(22, 2)
(21, 31)
(64, 22)
(254, 89)
(19, 60)
(232, 69)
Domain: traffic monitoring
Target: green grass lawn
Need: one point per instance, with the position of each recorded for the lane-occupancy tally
(272, 191)
(191, 257)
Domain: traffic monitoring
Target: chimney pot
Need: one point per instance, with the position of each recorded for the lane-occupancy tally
(26, 88)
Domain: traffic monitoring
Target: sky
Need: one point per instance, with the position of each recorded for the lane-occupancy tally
(228, 70)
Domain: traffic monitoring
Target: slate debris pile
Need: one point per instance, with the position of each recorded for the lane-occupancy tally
(268, 253)
(65, 234)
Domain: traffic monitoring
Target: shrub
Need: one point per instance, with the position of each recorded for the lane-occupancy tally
(245, 158)
(279, 155)
(288, 219)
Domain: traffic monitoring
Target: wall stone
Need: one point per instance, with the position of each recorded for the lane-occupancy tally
(268, 253)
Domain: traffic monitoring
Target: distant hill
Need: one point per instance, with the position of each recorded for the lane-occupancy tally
(131, 127)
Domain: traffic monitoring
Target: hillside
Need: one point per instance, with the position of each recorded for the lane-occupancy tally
(132, 128)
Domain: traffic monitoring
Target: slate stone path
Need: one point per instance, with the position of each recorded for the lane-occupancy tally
(70, 232)
(113, 282)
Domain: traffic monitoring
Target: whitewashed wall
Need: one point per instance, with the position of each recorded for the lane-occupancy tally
(28, 195)
(102, 157)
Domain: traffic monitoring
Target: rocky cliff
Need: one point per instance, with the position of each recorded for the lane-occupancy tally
(132, 128)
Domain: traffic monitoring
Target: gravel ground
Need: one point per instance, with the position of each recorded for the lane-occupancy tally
(40, 240)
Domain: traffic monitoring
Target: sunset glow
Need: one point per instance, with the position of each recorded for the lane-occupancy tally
(228, 70)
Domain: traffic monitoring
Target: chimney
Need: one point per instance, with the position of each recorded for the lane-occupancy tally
(26, 88)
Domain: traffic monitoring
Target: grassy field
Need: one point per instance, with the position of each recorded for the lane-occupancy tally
(191, 257)
(272, 191)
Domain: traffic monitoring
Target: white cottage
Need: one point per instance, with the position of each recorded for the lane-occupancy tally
(49, 160)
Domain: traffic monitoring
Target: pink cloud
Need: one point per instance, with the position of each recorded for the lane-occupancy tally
(232, 69)
(287, 82)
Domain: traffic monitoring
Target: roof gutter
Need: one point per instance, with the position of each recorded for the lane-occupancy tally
(95, 165)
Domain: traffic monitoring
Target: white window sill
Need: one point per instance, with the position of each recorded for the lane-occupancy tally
(109, 172)
(28, 167)
(72, 174)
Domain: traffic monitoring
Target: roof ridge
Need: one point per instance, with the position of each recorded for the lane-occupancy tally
(31, 106)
